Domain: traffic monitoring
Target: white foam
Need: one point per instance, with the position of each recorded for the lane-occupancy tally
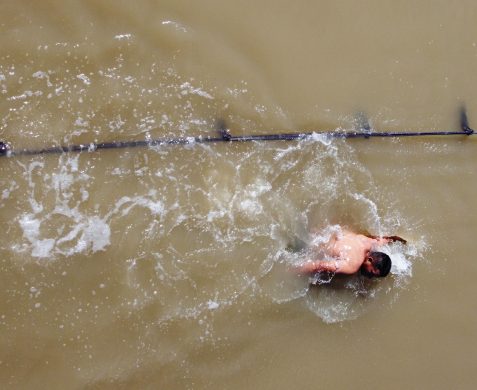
(212, 305)
(330, 308)
(42, 248)
(79, 232)
(80, 122)
(401, 266)
(325, 235)
(31, 231)
(187, 88)
(372, 210)
(90, 234)
(176, 25)
(62, 181)
(43, 75)
(248, 200)
(125, 204)
(26, 95)
(280, 153)
(7, 191)
(212, 215)
(401, 261)
(121, 37)
(323, 138)
(85, 79)
(96, 233)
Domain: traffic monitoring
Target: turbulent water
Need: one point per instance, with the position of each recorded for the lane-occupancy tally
(170, 266)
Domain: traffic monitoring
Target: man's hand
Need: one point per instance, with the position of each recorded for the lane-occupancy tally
(395, 238)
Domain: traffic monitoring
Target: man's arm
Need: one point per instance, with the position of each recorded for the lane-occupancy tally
(395, 238)
(347, 266)
(333, 266)
(386, 239)
(317, 266)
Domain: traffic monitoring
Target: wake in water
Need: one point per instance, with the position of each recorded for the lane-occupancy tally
(219, 229)
(339, 200)
(197, 228)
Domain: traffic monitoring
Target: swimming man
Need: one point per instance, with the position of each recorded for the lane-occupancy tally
(350, 253)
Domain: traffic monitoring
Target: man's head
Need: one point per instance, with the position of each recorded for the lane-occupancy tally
(376, 264)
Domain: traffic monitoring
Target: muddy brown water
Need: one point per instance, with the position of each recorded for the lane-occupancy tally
(166, 267)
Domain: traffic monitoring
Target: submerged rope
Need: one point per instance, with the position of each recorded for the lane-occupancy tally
(225, 136)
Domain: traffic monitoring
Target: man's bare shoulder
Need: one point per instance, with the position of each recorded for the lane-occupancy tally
(347, 234)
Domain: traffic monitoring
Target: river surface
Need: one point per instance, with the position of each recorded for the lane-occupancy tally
(166, 267)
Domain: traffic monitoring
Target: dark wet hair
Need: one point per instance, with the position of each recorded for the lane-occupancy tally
(381, 261)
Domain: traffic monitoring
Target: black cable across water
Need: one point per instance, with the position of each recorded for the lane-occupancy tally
(225, 136)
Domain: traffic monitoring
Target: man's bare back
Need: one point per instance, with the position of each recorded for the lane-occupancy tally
(351, 252)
